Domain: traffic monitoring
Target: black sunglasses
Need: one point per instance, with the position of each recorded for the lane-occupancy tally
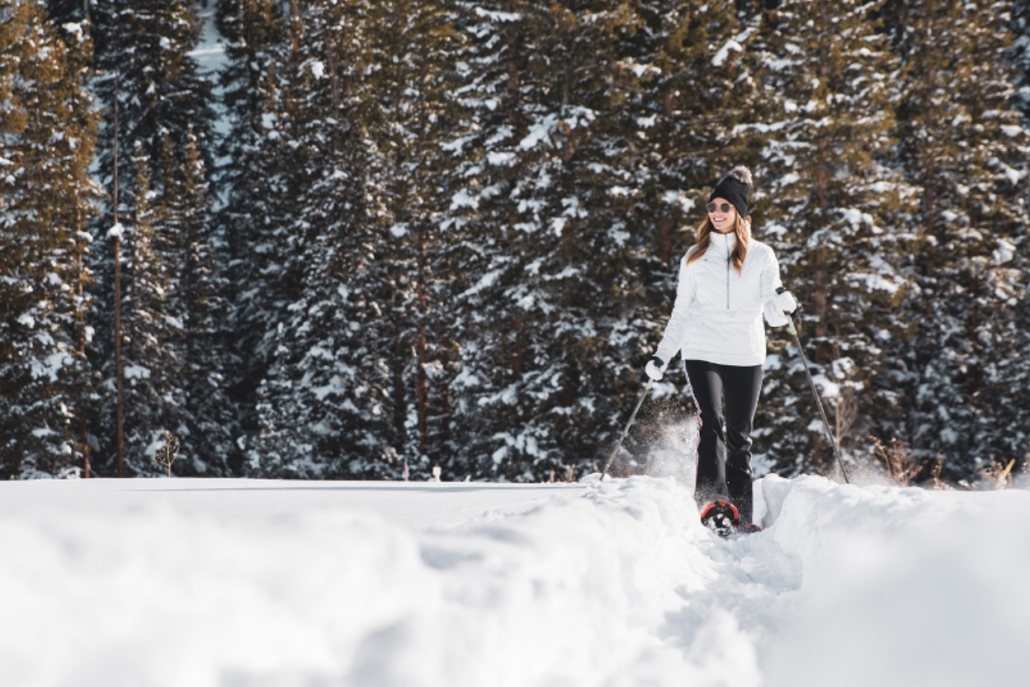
(724, 207)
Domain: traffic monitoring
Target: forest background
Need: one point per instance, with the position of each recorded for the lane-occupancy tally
(387, 235)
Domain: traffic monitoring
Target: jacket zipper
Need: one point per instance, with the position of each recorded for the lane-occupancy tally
(727, 276)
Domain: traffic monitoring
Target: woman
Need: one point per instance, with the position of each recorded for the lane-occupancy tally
(727, 280)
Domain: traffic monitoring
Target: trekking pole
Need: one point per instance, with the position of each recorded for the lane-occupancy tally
(815, 392)
(618, 445)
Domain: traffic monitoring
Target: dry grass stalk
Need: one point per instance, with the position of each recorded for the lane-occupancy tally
(935, 476)
(898, 461)
(1000, 476)
(167, 454)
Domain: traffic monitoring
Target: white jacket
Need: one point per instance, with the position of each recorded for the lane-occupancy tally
(718, 312)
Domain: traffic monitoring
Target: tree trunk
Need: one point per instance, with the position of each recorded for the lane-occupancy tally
(421, 378)
(116, 249)
(119, 430)
(80, 335)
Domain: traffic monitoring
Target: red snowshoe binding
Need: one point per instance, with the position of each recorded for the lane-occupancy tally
(721, 517)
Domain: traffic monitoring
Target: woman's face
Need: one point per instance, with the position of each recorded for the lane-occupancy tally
(723, 215)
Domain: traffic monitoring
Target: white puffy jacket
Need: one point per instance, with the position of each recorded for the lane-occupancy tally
(718, 312)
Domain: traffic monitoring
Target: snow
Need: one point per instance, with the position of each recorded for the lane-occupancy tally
(210, 50)
(1005, 252)
(50, 367)
(502, 17)
(237, 582)
(117, 231)
(135, 372)
(720, 57)
(539, 132)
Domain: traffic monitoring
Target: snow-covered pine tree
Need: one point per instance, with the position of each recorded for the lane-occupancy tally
(152, 349)
(144, 63)
(210, 429)
(254, 211)
(144, 59)
(1015, 376)
(1019, 54)
(963, 145)
(62, 12)
(833, 211)
(1020, 50)
(412, 43)
(321, 401)
(47, 131)
(347, 392)
(543, 323)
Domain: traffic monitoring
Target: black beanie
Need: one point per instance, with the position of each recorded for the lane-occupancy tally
(735, 188)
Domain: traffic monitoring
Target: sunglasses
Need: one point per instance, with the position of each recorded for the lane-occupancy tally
(722, 207)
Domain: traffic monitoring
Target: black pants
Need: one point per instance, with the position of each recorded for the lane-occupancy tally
(724, 449)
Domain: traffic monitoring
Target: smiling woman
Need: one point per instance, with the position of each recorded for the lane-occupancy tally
(727, 281)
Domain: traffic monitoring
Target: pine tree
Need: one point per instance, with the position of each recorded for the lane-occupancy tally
(146, 70)
(1020, 53)
(834, 213)
(207, 440)
(547, 320)
(348, 389)
(314, 162)
(46, 143)
(412, 121)
(152, 358)
(321, 401)
(255, 212)
(964, 147)
(143, 59)
(62, 12)
(1013, 372)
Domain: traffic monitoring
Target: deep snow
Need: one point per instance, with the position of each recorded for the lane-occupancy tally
(259, 583)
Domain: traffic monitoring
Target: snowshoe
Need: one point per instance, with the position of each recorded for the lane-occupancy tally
(749, 528)
(721, 517)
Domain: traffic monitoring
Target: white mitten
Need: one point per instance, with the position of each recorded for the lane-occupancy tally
(655, 368)
(786, 303)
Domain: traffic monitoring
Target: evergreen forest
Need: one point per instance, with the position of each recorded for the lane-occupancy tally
(360, 239)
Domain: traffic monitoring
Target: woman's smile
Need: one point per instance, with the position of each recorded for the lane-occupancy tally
(721, 222)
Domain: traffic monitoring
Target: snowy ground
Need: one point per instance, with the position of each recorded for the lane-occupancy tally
(257, 583)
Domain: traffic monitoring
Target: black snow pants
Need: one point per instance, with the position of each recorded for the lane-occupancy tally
(724, 448)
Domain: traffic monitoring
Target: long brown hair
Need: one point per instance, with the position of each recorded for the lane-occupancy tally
(704, 239)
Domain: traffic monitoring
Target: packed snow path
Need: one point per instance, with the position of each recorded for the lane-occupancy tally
(254, 583)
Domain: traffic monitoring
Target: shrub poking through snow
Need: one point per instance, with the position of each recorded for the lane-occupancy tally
(167, 454)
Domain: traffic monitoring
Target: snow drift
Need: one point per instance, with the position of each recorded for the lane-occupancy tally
(240, 583)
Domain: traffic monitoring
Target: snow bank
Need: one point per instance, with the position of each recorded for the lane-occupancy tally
(904, 586)
(137, 585)
(253, 583)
